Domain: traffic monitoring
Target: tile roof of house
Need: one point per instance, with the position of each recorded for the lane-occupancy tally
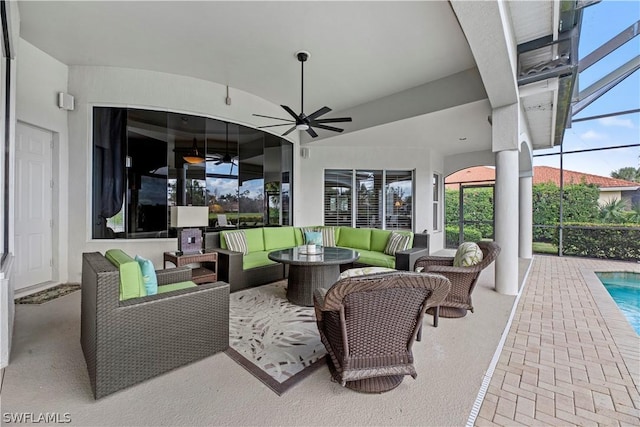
(541, 174)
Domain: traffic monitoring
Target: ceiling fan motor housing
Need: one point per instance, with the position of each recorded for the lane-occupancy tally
(302, 121)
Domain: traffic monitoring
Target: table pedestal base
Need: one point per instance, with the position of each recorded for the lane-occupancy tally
(305, 279)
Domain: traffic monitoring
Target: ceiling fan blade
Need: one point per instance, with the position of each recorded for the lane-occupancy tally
(275, 118)
(289, 131)
(320, 112)
(319, 126)
(290, 111)
(334, 120)
(270, 126)
(312, 132)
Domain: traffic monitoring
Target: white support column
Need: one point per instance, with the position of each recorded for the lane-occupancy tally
(506, 213)
(526, 217)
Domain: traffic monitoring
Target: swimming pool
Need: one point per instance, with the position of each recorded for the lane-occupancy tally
(624, 288)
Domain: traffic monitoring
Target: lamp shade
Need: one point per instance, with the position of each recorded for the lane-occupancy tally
(189, 216)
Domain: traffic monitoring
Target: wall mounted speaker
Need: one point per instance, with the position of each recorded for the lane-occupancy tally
(305, 153)
(66, 101)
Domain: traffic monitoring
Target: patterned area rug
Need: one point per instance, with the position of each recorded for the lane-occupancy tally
(49, 294)
(278, 342)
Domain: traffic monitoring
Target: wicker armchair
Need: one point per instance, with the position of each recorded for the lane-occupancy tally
(369, 323)
(126, 342)
(463, 280)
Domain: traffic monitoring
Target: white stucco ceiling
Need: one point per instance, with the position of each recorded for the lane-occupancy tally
(367, 57)
(360, 51)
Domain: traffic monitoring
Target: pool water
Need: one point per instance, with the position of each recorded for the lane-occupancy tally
(624, 288)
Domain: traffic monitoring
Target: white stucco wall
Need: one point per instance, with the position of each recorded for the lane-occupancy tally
(39, 79)
(42, 77)
(363, 150)
(111, 86)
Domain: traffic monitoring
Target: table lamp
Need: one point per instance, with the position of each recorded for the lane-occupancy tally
(185, 219)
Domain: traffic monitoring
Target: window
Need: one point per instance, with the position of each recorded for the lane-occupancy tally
(382, 199)
(337, 197)
(436, 201)
(399, 200)
(369, 199)
(146, 161)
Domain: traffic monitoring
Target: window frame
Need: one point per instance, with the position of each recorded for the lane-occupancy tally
(354, 197)
(436, 197)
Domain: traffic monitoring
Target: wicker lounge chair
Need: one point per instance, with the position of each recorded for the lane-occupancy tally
(463, 280)
(126, 342)
(369, 323)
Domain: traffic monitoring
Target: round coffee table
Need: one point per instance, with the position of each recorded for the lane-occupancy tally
(308, 272)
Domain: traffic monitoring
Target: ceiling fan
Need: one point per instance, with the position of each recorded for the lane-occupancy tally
(302, 121)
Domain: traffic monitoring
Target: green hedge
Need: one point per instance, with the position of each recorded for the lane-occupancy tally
(595, 241)
(453, 235)
(580, 205)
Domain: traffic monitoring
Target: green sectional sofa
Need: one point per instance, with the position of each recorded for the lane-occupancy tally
(255, 268)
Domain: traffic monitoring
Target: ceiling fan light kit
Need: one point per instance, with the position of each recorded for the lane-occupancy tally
(302, 121)
(194, 156)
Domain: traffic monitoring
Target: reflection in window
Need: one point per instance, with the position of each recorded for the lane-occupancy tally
(147, 161)
(369, 199)
(337, 197)
(399, 200)
(390, 207)
(436, 201)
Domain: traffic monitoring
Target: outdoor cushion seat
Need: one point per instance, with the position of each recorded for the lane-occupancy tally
(125, 342)
(463, 279)
(252, 267)
(368, 325)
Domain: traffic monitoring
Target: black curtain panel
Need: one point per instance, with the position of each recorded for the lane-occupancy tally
(109, 143)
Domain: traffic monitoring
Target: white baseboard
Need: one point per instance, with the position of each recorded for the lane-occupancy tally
(19, 293)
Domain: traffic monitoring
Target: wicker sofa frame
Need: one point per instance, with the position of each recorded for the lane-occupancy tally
(463, 279)
(230, 263)
(127, 342)
(369, 324)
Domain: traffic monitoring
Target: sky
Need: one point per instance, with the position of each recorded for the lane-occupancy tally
(600, 23)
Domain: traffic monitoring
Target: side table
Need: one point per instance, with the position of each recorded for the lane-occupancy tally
(198, 274)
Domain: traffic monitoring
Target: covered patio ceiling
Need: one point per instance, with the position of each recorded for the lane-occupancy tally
(379, 62)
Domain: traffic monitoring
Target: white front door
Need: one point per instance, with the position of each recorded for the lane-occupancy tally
(33, 206)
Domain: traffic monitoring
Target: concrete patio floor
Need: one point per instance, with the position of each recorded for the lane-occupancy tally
(569, 358)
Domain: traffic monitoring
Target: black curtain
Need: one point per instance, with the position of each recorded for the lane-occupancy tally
(109, 153)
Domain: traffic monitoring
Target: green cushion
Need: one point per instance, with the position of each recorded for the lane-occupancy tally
(131, 282)
(176, 286)
(279, 237)
(355, 238)
(377, 259)
(298, 235)
(255, 239)
(379, 239)
(256, 259)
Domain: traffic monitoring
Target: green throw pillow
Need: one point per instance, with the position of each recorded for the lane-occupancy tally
(237, 242)
(328, 236)
(468, 254)
(397, 242)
